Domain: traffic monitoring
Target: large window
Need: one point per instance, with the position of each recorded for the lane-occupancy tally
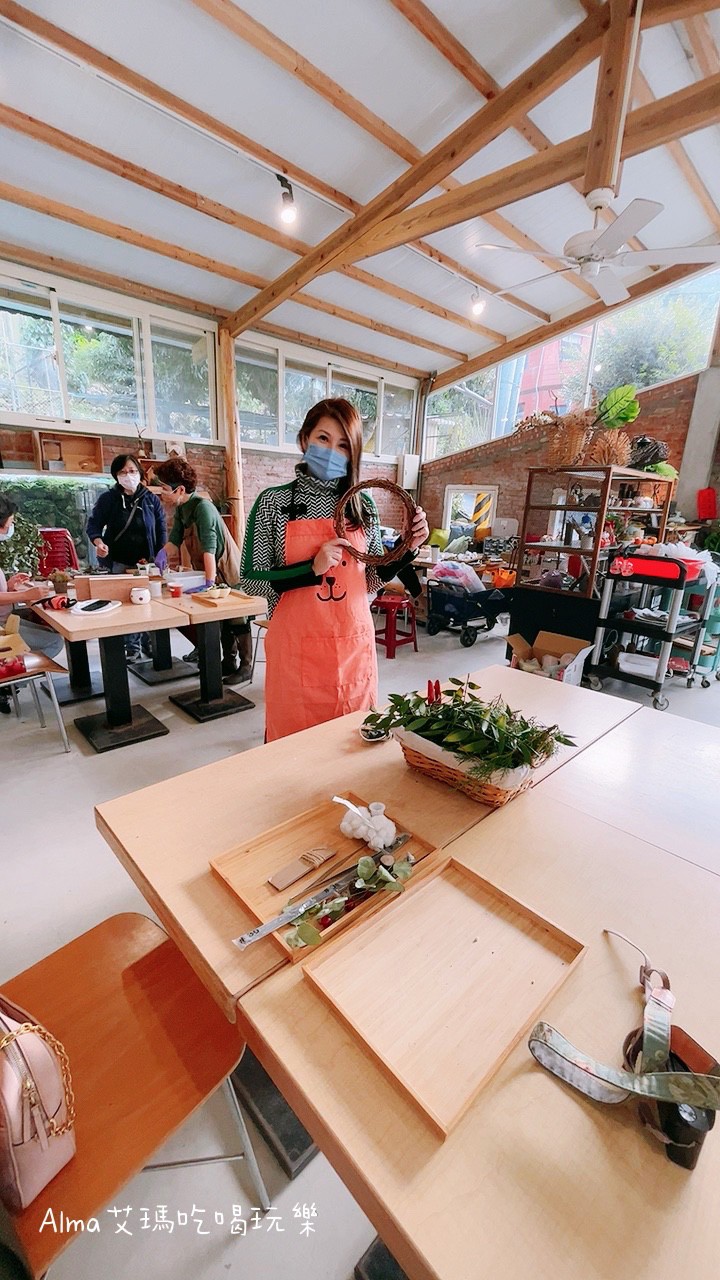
(257, 395)
(101, 364)
(397, 420)
(180, 363)
(305, 384)
(29, 377)
(363, 394)
(461, 416)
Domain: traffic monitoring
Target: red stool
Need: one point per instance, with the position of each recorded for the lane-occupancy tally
(390, 635)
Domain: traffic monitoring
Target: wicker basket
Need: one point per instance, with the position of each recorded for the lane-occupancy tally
(452, 775)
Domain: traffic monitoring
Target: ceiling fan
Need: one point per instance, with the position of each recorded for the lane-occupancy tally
(597, 257)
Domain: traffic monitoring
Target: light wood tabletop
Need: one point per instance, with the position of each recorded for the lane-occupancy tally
(234, 607)
(655, 776)
(535, 1179)
(93, 626)
(166, 834)
(582, 714)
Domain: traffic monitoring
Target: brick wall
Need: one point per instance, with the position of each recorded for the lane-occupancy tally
(665, 415)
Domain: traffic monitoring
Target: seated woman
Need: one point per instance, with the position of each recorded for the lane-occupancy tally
(17, 590)
(127, 525)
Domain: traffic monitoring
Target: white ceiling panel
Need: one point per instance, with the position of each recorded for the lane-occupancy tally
(568, 111)
(655, 176)
(350, 335)
(663, 61)
(503, 42)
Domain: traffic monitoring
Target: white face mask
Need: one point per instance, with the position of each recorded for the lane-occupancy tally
(129, 482)
(7, 534)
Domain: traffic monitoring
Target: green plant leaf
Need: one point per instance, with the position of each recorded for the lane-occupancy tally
(309, 934)
(619, 405)
(366, 868)
(416, 724)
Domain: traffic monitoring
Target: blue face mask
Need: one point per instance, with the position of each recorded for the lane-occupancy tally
(7, 534)
(325, 464)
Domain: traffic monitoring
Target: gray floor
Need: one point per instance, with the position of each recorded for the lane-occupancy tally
(59, 878)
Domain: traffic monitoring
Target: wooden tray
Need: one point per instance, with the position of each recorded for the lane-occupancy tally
(245, 870)
(214, 602)
(441, 997)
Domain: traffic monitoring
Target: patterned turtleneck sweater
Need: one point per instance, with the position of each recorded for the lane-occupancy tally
(264, 571)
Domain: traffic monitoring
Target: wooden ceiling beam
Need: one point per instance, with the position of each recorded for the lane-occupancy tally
(657, 13)
(526, 341)
(80, 271)
(127, 235)
(550, 71)
(471, 276)
(704, 49)
(121, 75)
(612, 96)
(643, 95)
(663, 121)
(109, 163)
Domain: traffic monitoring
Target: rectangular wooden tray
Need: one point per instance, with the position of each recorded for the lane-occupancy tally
(245, 870)
(439, 998)
(214, 603)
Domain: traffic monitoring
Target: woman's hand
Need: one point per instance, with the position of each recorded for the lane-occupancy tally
(102, 548)
(420, 529)
(330, 554)
(18, 581)
(28, 594)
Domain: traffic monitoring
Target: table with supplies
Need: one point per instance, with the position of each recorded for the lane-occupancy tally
(208, 614)
(121, 723)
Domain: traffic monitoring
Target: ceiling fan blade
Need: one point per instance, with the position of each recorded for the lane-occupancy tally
(610, 289)
(627, 224)
(671, 257)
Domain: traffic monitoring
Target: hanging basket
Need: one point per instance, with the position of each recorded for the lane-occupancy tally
(568, 443)
(435, 762)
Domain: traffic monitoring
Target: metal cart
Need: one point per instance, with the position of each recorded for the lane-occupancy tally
(452, 605)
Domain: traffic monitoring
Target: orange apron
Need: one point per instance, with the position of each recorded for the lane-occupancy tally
(320, 644)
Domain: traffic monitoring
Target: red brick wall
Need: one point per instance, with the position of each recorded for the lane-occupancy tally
(665, 415)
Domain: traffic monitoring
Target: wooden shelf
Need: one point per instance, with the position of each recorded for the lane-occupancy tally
(73, 454)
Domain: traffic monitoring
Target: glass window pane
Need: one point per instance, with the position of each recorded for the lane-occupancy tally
(29, 380)
(305, 384)
(664, 337)
(397, 427)
(257, 395)
(99, 365)
(361, 392)
(551, 377)
(461, 416)
(182, 391)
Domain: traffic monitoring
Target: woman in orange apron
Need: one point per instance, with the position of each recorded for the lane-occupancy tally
(320, 646)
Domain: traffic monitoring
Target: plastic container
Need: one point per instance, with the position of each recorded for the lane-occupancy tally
(185, 579)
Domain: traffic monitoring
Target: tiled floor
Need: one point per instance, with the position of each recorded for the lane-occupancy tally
(59, 878)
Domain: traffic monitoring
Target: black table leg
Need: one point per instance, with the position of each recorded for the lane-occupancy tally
(121, 723)
(80, 684)
(162, 668)
(215, 700)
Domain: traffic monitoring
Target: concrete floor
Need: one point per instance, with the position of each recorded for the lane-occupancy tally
(59, 878)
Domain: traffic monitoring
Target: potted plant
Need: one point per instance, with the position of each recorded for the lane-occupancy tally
(482, 748)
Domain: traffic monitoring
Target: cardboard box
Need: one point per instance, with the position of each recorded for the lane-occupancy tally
(549, 643)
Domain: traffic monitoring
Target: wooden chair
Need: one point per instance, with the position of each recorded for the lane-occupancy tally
(37, 668)
(147, 1045)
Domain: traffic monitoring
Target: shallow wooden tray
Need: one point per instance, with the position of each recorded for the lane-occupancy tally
(245, 870)
(441, 997)
(214, 601)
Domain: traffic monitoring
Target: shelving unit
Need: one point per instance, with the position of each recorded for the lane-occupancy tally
(66, 453)
(562, 502)
(651, 573)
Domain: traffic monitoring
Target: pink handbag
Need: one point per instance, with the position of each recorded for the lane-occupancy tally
(37, 1107)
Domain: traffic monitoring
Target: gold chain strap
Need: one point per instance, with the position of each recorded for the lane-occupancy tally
(26, 1027)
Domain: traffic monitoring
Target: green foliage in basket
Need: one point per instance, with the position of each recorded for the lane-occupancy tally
(490, 735)
(372, 878)
(618, 407)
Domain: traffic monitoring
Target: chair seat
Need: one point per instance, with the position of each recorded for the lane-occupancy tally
(36, 664)
(147, 1045)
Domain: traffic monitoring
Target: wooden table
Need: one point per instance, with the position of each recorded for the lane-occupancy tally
(215, 699)
(655, 776)
(582, 714)
(121, 723)
(535, 1180)
(165, 835)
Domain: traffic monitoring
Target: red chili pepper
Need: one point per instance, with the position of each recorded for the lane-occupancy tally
(324, 921)
(430, 695)
(438, 692)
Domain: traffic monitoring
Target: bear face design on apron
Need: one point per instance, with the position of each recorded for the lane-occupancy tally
(320, 644)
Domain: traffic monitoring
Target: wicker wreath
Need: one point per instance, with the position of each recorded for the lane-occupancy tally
(403, 545)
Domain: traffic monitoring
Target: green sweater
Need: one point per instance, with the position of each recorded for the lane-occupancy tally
(207, 520)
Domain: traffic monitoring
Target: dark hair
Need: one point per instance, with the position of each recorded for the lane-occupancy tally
(7, 508)
(176, 471)
(348, 418)
(119, 462)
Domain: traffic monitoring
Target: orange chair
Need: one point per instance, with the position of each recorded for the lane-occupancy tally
(389, 635)
(147, 1045)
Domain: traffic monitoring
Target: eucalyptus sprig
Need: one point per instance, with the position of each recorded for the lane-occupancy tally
(489, 735)
(372, 877)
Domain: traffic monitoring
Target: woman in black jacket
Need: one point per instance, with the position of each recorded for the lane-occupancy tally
(127, 525)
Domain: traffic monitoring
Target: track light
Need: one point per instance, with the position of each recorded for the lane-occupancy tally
(477, 304)
(288, 211)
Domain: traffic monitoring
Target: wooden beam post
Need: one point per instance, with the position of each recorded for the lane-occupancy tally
(233, 447)
(612, 96)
